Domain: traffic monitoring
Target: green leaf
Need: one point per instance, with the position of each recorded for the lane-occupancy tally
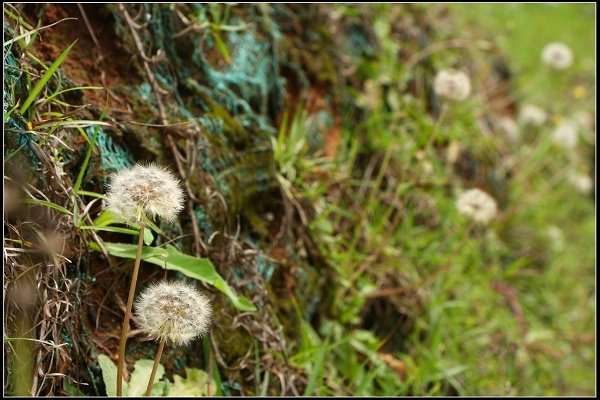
(48, 204)
(202, 269)
(92, 194)
(106, 218)
(193, 267)
(71, 389)
(45, 78)
(109, 375)
(317, 372)
(196, 384)
(73, 88)
(110, 229)
(148, 236)
(221, 46)
(9, 113)
(130, 251)
(86, 160)
(139, 379)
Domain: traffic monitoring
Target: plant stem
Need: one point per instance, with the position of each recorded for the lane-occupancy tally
(125, 328)
(155, 367)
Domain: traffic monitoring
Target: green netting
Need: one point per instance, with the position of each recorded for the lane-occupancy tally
(113, 157)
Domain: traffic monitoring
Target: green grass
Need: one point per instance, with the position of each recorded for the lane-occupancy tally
(480, 310)
(522, 30)
(467, 339)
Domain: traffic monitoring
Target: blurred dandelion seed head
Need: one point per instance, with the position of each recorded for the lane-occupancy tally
(452, 84)
(557, 56)
(453, 151)
(478, 205)
(584, 119)
(581, 182)
(532, 115)
(556, 236)
(509, 128)
(144, 189)
(565, 134)
(173, 311)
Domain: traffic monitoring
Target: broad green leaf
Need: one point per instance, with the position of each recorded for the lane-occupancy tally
(196, 384)
(106, 218)
(148, 236)
(45, 78)
(109, 374)
(202, 269)
(139, 379)
(110, 229)
(130, 251)
(193, 267)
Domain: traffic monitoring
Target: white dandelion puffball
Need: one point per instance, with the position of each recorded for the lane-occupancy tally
(509, 128)
(477, 205)
(452, 84)
(453, 151)
(556, 236)
(173, 311)
(584, 119)
(144, 189)
(557, 56)
(581, 182)
(532, 115)
(565, 134)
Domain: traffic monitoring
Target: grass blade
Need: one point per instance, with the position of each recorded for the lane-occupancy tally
(45, 78)
(317, 372)
(48, 204)
(86, 161)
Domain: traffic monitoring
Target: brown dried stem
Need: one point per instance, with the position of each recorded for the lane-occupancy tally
(125, 329)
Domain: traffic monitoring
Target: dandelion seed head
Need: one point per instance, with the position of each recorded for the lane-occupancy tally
(453, 151)
(557, 56)
(565, 134)
(584, 119)
(173, 311)
(556, 236)
(532, 115)
(144, 189)
(581, 182)
(477, 205)
(508, 127)
(452, 84)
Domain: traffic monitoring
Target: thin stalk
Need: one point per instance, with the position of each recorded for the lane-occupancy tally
(155, 367)
(125, 328)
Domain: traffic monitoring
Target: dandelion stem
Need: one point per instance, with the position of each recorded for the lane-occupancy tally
(125, 328)
(155, 367)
